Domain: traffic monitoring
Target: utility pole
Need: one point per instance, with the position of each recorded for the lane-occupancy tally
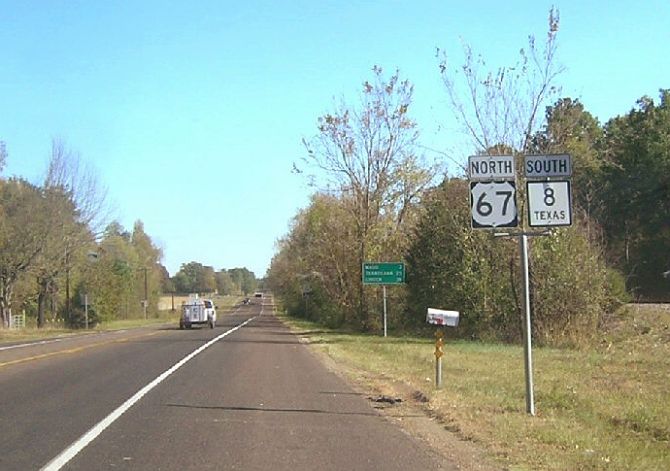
(86, 311)
(145, 303)
(67, 285)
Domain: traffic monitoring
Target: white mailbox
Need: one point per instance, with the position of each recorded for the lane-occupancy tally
(440, 317)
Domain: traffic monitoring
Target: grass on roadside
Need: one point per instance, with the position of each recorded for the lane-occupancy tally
(31, 332)
(163, 318)
(603, 408)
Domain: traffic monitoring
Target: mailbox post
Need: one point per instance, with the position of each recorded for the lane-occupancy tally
(440, 318)
(439, 343)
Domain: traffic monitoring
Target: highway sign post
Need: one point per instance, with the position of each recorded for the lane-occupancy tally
(493, 206)
(527, 331)
(383, 273)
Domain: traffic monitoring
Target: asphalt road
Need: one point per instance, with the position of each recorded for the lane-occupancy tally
(245, 395)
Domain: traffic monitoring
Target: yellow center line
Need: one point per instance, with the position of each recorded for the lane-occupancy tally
(73, 350)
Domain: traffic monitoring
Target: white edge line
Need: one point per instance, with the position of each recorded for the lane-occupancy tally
(31, 344)
(70, 452)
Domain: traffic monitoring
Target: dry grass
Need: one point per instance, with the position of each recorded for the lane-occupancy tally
(607, 407)
(31, 333)
(222, 302)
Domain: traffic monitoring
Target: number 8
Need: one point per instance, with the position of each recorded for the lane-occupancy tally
(549, 198)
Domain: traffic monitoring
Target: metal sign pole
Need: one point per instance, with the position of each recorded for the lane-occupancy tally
(384, 289)
(527, 332)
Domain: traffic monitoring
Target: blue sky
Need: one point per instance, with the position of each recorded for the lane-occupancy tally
(192, 113)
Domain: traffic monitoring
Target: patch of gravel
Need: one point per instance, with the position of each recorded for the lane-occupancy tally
(646, 307)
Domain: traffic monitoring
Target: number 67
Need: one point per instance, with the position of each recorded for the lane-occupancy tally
(485, 208)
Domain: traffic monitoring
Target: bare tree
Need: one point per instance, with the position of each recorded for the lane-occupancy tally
(3, 155)
(502, 107)
(368, 154)
(499, 110)
(76, 215)
(67, 172)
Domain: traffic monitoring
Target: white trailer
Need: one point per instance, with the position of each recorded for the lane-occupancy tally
(197, 311)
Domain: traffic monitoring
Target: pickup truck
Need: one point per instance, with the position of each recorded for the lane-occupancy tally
(197, 311)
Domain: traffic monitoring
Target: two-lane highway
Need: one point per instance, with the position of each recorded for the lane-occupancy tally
(245, 395)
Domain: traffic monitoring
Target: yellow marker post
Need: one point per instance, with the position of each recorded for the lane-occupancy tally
(439, 343)
(440, 317)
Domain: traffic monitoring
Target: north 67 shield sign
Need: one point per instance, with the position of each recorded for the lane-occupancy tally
(493, 204)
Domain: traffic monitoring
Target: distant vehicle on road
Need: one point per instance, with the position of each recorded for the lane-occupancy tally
(258, 295)
(197, 311)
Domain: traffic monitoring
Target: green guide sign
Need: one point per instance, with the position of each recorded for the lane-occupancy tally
(383, 273)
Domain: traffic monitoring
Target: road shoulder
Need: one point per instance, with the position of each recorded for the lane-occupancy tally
(410, 410)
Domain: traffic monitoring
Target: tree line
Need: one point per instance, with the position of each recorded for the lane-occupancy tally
(380, 199)
(61, 262)
(194, 277)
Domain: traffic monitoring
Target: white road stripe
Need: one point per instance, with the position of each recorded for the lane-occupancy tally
(32, 344)
(60, 339)
(70, 452)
